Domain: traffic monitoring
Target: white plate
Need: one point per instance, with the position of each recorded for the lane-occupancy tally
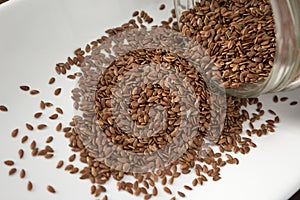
(36, 34)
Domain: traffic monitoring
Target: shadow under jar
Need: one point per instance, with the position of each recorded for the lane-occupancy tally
(285, 72)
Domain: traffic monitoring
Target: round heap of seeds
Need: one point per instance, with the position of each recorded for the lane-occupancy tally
(238, 35)
(83, 132)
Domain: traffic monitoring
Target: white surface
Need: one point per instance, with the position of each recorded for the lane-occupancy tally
(36, 34)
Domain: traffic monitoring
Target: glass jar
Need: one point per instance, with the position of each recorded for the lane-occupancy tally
(285, 73)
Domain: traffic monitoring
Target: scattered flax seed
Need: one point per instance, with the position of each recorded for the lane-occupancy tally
(3, 108)
(154, 191)
(135, 13)
(38, 115)
(59, 110)
(67, 129)
(15, 133)
(293, 103)
(69, 167)
(35, 152)
(34, 92)
(49, 149)
(33, 145)
(51, 80)
(58, 127)
(49, 156)
(173, 198)
(29, 186)
(12, 171)
(48, 104)
(272, 112)
(162, 7)
(187, 187)
(24, 139)
(41, 126)
(42, 105)
(87, 48)
(60, 164)
(181, 194)
(93, 189)
(42, 152)
(277, 120)
(49, 139)
(29, 126)
(74, 170)
(72, 157)
(57, 91)
(71, 76)
(105, 197)
(275, 99)
(167, 190)
(24, 87)
(9, 162)
(21, 153)
(284, 99)
(22, 173)
(54, 116)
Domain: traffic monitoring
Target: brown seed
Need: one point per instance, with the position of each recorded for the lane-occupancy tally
(49, 156)
(59, 110)
(74, 170)
(71, 76)
(38, 115)
(24, 87)
(59, 164)
(293, 103)
(154, 191)
(57, 91)
(187, 187)
(12, 171)
(181, 194)
(3, 108)
(48, 104)
(42, 152)
(105, 197)
(29, 126)
(67, 129)
(33, 145)
(58, 127)
(49, 149)
(21, 153)
(51, 80)
(22, 173)
(35, 152)
(167, 190)
(72, 157)
(69, 167)
(41, 126)
(54, 116)
(9, 162)
(15, 133)
(271, 112)
(276, 120)
(162, 7)
(275, 99)
(135, 13)
(49, 139)
(284, 99)
(93, 189)
(24, 139)
(34, 92)
(29, 186)
(51, 189)
(42, 105)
